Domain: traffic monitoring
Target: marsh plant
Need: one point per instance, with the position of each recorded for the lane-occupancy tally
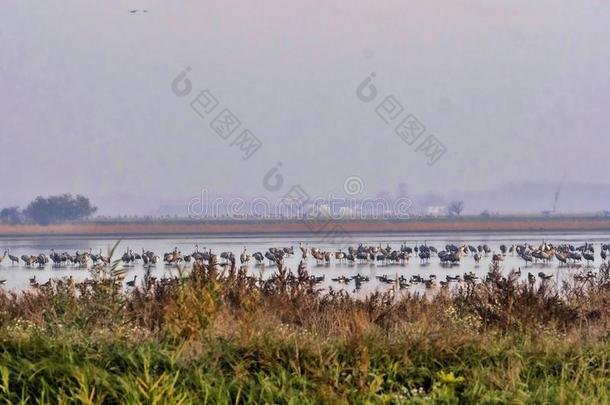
(220, 335)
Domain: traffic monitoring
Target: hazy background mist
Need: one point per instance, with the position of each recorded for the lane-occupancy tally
(518, 92)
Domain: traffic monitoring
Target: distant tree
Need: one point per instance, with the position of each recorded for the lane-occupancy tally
(65, 207)
(11, 215)
(455, 207)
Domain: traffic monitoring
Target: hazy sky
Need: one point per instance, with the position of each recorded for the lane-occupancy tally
(515, 90)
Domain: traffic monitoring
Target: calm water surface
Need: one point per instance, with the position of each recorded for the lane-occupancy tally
(17, 276)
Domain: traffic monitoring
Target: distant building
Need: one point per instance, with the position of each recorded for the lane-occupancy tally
(436, 210)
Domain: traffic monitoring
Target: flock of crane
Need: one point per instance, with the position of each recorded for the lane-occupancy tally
(451, 255)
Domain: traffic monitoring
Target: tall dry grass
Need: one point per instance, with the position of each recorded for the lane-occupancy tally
(220, 335)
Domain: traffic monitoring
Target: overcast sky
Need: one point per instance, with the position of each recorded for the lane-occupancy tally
(515, 90)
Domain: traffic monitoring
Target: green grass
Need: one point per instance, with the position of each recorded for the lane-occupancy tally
(223, 337)
(39, 368)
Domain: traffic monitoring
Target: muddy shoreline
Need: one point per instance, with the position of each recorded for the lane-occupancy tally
(336, 228)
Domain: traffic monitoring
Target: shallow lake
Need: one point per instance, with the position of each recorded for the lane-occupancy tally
(17, 276)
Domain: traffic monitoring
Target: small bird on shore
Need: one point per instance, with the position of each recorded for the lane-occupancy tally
(477, 258)
(244, 258)
(497, 258)
(132, 283)
(14, 259)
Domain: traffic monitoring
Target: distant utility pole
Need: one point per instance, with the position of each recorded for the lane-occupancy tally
(557, 194)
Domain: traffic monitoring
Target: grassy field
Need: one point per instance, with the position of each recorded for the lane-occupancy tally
(220, 336)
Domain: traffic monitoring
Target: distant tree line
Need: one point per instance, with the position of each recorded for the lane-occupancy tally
(50, 210)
